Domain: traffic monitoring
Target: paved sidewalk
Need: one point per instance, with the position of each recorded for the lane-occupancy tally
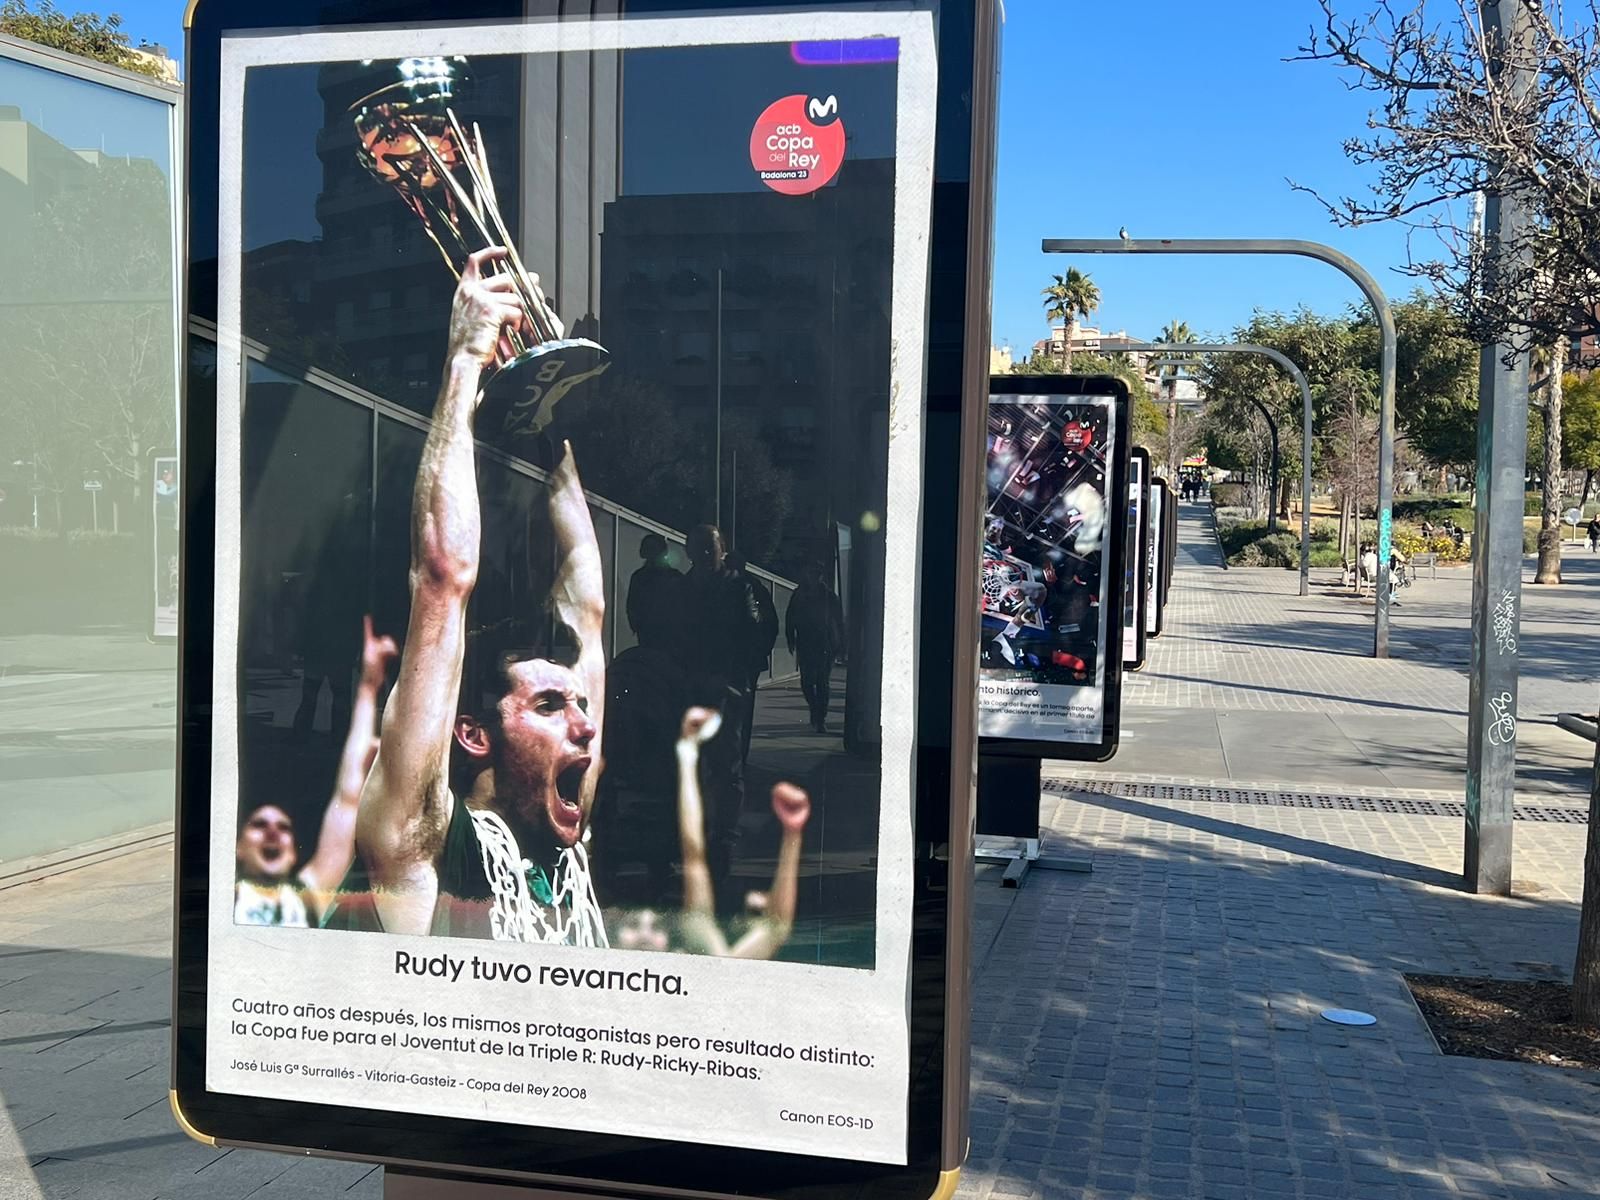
(1152, 1029)
(1254, 683)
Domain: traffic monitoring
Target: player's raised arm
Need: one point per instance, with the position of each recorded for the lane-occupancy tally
(579, 597)
(405, 808)
(697, 927)
(766, 937)
(336, 843)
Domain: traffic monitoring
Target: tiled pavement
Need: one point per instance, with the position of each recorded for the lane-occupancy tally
(1149, 1029)
(1254, 683)
(1152, 1029)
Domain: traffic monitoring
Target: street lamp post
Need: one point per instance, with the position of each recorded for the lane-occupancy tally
(1380, 306)
(1305, 420)
(1497, 529)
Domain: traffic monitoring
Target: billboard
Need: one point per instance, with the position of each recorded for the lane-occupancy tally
(1155, 556)
(1049, 663)
(540, 686)
(1135, 597)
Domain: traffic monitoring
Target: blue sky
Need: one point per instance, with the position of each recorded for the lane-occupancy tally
(1173, 118)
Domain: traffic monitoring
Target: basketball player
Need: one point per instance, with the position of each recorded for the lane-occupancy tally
(267, 890)
(698, 931)
(473, 819)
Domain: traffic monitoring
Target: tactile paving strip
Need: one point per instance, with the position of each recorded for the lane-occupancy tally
(1333, 801)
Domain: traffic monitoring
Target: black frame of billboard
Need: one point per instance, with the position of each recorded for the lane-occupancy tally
(1112, 568)
(960, 245)
(1141, 641)
(1158, 595)
(1169, 561)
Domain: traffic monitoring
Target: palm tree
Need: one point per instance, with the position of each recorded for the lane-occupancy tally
(1177, 333)
(1070, 297)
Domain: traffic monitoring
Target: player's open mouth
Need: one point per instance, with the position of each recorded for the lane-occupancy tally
(569, 784)
(271, 853)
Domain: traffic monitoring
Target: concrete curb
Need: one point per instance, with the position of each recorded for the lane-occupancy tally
(27, 870)
(1216, 533)
(1582, 726)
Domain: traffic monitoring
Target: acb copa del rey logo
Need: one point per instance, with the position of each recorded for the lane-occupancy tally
(798, 144)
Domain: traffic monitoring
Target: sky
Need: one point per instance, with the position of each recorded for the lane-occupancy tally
(1173, 118)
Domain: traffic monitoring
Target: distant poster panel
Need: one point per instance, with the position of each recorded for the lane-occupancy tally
(1052, 557)
(1154, 539)
(164, 549)
(1134, 597)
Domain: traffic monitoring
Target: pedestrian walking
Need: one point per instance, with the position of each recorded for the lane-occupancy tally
(814, 627)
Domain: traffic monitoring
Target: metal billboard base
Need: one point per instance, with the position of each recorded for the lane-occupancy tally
(1008, 808)
(1030, 856)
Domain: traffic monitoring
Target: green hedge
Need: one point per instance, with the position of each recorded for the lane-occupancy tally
(1248, 544)
(1435, 509)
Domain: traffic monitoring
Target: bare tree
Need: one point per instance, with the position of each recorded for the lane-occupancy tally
(1456, 119)
(1351, 454)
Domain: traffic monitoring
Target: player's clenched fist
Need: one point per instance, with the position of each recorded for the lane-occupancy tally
(485, 309)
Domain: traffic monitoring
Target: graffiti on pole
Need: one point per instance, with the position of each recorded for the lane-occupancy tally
(1503, 623)
(1502, 719)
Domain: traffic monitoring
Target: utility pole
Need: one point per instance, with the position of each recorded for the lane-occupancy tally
(1498, 505)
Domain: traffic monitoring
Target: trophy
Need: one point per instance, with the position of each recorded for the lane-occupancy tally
(410, 138)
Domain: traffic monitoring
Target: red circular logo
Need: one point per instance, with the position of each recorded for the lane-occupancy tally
(798, 144)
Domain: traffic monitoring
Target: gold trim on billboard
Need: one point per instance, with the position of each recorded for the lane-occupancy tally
(964, 689)
(184, 1123)
(948, 1181)
(188, 13)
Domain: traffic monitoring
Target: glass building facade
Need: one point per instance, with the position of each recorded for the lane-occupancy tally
(88, 453)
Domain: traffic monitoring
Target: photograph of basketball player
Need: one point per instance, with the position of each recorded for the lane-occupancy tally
(1043, 537)
(475, 818)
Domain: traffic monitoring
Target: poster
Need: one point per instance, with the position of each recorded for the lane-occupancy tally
(1154, 550)
(1046, 600)
(1134, 596)
(547, 485)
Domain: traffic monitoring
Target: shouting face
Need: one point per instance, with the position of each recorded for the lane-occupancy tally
(542, 754)
(266, 845)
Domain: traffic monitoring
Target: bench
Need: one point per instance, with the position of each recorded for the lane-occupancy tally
(1429, 560)
(1353, 578)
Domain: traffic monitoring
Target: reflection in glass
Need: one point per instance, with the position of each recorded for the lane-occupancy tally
(88, 413)
(410, 137)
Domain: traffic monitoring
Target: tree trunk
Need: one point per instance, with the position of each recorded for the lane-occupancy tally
(1275, 470)
(1172, 429)
(1588, 481)
(1586, 970)
(1066, 345)
(1549, 570)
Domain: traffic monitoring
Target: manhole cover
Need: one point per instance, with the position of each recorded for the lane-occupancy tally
(1348, 1016)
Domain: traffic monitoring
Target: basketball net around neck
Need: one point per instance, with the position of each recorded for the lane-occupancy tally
(573, 916)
